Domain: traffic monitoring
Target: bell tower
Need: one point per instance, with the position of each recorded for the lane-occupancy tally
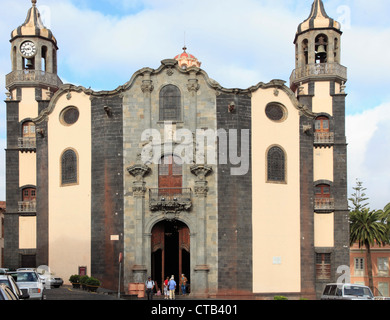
(31, 83)
(33, 55)
(317, 50)
(318, 82)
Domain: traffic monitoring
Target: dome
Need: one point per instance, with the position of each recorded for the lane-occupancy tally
(33, 26)
(187, 60)
(318, 19)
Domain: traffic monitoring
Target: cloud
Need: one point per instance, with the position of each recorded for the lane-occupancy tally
(224, 36)
(368, 136)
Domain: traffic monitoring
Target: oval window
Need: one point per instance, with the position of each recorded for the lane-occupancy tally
(69, 116)
(275, 112)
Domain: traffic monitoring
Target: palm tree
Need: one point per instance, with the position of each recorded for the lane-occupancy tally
(386, 220)
(367, 229)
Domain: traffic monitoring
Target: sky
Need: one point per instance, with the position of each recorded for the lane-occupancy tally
(240, 43)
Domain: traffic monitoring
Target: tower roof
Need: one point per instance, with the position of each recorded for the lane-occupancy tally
(187, 60)
(318, 19)
(33, 26)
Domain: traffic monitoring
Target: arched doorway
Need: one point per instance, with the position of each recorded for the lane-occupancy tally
(170, 251)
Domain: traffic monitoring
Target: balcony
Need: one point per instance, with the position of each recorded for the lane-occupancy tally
(21, 77)
(170, 199)
(27, 206)
(27, 143)
(323, 205)
(324, 138)
(327, 70)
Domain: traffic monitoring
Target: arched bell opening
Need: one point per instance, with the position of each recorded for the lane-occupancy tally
(321, 48)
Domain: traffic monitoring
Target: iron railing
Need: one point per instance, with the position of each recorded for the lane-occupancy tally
(170, 199)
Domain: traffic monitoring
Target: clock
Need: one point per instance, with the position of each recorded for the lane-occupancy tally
(28, 49)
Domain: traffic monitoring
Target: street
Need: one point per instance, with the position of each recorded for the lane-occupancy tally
(69, 293)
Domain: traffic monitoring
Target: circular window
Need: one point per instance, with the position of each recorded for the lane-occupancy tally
(275, 112)
(69, 116)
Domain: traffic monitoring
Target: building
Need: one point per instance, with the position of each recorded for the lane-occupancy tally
(243, 190)
(2, 211)
(380, 257)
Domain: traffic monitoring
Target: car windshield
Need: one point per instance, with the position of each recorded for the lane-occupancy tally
(26, 277)
(5, 281)
(357, 291)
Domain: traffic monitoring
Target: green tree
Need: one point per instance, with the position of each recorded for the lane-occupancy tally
(358, 198)
(367, 229)
(386, 220)
(366, 226)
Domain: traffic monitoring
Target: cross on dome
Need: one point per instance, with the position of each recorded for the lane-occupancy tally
(187, 60)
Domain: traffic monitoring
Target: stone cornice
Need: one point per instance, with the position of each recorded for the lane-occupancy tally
(67, 89)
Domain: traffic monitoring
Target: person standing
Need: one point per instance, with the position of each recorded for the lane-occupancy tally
(172, 287)
(166, 291)
(149, 288)
(183, 284)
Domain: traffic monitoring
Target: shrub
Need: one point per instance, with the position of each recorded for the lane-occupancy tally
(75, 278)
(93, 282)
(83, 279)
(280, 298)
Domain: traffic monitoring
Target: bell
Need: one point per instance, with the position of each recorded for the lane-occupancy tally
(321, 50)
(29, 64)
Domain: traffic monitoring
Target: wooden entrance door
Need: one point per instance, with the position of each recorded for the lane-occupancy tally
(170, 251)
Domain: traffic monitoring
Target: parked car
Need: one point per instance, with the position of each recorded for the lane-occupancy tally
(346, 291)
(10, 282)
(50, 280)
(6, 293)
(3, 270)
(29, 282)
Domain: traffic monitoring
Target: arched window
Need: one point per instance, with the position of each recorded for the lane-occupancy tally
(305, 51)
(322, 191)
(170, 103)
(44, 58)
(323, 200)
(276, 165)
(28, 129)
(28, 194)
(322, 124)
(69, 172)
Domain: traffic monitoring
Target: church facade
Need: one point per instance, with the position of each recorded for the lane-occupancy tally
(242, 190)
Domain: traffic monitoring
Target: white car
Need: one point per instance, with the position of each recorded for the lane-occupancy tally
(10, 282)
(50, 280)
(29, 282)
(346, 291)
(6, 293)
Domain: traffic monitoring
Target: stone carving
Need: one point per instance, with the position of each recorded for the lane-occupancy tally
(193, 85)
(138, 171)
(147, 86)
(201, 170)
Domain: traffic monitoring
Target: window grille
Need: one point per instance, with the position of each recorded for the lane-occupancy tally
(170, 103)
(276, 165)
(69, 167)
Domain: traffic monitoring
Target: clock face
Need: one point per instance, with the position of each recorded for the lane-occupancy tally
(28, 49)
